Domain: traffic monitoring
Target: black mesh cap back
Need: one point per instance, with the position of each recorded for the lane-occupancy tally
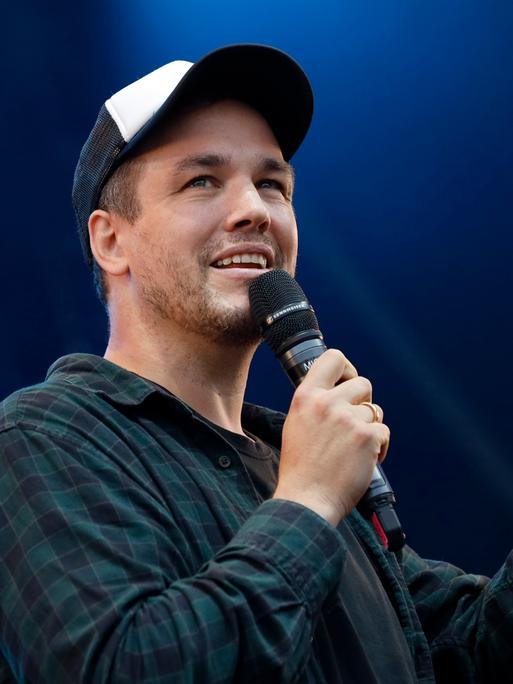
(95, 162)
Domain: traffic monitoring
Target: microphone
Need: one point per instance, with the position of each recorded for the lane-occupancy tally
(289, 326)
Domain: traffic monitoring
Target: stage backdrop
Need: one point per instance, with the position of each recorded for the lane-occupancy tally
(404, 202)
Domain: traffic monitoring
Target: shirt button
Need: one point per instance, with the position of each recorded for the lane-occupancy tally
(224, 461)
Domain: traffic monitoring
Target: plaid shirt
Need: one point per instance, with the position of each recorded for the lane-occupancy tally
(136, 549)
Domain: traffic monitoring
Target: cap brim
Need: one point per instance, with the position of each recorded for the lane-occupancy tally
(263, 77)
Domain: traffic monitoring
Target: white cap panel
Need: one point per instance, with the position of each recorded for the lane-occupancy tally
(135, 104)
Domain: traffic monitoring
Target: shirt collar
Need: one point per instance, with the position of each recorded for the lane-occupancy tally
(96, 374)
(120, 386)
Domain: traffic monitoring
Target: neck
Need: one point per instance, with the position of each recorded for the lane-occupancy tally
(209, 376)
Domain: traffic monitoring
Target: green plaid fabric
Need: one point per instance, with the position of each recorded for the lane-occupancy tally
(135, 548)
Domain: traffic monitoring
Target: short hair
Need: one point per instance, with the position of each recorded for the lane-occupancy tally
(118, 195)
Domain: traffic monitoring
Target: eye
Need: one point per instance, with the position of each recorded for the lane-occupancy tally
(273, 186)
(271, 183)
(200, 182)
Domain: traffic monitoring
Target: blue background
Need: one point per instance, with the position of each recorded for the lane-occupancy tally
(404, 200)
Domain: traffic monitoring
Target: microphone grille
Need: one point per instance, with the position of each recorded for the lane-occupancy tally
(272, 292)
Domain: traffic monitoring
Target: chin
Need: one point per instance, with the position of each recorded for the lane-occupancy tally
(235, 326)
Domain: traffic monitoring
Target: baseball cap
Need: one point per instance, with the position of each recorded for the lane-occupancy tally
(263, 77)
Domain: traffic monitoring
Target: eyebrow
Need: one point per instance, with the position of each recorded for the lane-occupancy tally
(210, 160)
(273, 164)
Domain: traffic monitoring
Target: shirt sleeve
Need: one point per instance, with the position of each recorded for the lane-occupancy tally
(95, 586)
(468, 619)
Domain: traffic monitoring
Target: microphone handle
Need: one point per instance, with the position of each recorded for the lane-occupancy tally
(378, 501)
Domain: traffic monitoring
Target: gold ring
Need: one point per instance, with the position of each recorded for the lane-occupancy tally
(374, 408)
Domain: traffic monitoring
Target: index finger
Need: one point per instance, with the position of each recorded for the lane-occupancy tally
(329, 369)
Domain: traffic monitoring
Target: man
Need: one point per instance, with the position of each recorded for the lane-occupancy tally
(147, 534)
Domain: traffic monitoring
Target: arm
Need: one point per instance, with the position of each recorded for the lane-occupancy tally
(467, 619)
(95, 585)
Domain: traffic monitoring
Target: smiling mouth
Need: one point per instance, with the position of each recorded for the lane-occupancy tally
(256, 261)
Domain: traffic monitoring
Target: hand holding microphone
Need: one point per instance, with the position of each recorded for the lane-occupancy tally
(332, 441)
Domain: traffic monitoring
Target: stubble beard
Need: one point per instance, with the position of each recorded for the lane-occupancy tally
(196, 307)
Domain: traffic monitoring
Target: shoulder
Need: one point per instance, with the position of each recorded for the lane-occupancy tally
(81, 392)
(31, 405)
(81, 415)
(43, 403)
(87, 403)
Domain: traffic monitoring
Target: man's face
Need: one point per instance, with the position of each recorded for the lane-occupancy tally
(214, 194)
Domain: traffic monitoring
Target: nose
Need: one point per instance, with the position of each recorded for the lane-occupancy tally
(247, 210)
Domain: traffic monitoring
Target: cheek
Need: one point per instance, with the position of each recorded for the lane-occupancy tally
(169, 235)
(285, 221)
(151, 252)
(187, 228)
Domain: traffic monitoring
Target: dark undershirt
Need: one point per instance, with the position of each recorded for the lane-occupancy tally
(259, 458)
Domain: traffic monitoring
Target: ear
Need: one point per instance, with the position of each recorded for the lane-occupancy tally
(104, 234)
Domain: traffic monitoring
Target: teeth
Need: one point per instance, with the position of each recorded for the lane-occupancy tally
(243, 259)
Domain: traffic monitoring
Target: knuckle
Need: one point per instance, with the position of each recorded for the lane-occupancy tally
(345, 420)
(361, 433)
(309, 398)
(351, 370)
(301, 397)
(321, 404)
(336, 355)
(365, 384)
(382, 442)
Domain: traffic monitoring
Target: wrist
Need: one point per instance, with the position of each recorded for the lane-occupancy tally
(318, 503)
